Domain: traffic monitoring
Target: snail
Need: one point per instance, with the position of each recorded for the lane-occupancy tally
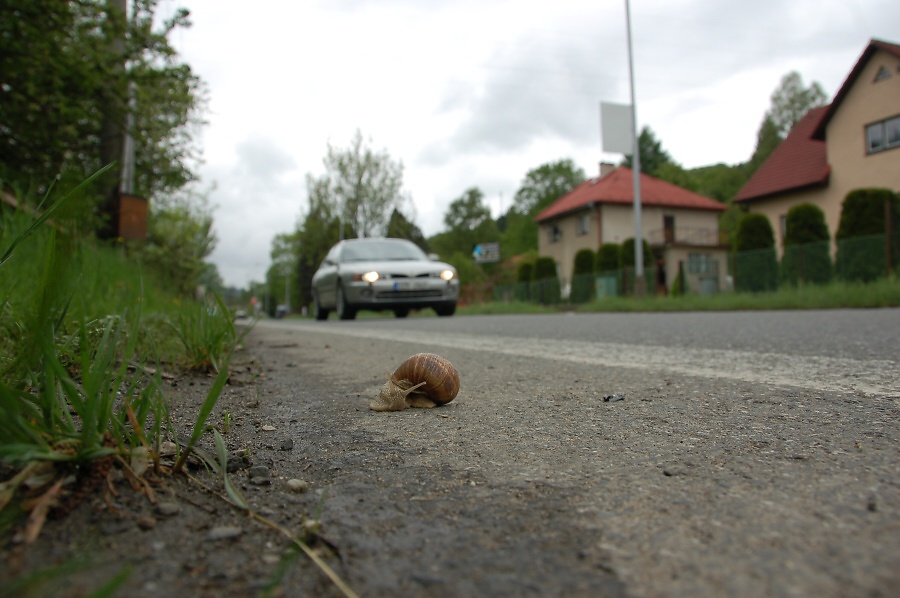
(423, 380)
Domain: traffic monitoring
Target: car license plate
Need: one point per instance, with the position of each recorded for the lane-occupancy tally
(410, 285)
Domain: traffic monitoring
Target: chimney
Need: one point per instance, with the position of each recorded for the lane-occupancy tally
(606, 168)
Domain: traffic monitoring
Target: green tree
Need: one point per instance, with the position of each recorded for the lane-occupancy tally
(468, 221)
(399, 227)
(365, 185)
(792, 100)
(755, 263)
(653, 156)
(540, 188)
(767, 139)
(319, 230)
(582, 277)
(282, 274)
(179, 239)
(861, 234)
(65, 72)
(806, 246)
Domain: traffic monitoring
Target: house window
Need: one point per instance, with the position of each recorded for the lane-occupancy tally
(555, 233)
(883, 135)
(782, 225)
(584, 225)
(882, 74)
(701, 263)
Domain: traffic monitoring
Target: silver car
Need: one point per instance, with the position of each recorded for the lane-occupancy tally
(381, 274)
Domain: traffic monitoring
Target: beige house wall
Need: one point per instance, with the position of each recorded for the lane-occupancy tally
(852, 168)
(612, 224)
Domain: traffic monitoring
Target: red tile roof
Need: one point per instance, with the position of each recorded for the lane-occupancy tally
(617, 187)
(874, 46)
(798, 162)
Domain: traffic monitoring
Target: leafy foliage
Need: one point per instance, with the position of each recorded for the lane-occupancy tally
(608, 257)
(364, 185)
(64, 95)
(540, 188)
(653, 156)
(399, 227)
(179, 239)
(545, 287)
(582, 277)
(755, 264)
(806, 246)
(861, 234)
(468, 221)
(791, 101)
(627, 257)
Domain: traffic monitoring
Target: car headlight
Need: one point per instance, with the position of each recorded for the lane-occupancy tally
(447, 274)
(367, 277)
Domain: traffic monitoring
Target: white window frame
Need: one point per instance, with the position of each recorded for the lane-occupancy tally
(883, 135)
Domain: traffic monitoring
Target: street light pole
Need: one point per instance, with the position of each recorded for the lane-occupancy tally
(640, 284)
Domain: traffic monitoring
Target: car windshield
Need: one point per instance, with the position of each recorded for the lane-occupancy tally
(382, 250)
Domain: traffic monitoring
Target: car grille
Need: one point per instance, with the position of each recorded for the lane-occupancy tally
(420, 294)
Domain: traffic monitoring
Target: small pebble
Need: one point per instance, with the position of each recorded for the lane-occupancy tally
(168, 508)
(287, 444)
(260, 475)
(298, 486)
(146, 522)
(613, 398)
(224, 532)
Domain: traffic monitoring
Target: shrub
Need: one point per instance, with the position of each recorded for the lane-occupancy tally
(755, 263)
(545, 281)
(626, 255)
(583, 277)
(806, 246)
(608, 257)
(861, 234)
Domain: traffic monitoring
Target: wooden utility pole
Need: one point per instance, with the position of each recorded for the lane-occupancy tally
(112, 128)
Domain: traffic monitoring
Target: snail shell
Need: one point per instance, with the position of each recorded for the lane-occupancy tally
(423, 380)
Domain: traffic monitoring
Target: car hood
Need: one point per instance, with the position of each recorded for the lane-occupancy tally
(404, 268)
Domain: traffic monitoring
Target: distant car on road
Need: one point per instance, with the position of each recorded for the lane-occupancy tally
(380, 274)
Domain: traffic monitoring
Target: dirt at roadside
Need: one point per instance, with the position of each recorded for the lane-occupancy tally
(528, 484)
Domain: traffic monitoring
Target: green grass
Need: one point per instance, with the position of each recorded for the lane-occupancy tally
(84, 337)
(881, 293)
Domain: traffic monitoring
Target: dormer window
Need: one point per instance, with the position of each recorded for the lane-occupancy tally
(883, 135)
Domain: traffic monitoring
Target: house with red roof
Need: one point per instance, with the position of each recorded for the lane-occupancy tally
(852, 143)
(681, 227)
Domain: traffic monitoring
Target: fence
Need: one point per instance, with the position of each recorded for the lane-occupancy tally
(862, 259)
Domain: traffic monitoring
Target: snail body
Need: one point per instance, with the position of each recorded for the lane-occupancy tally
(424, 380)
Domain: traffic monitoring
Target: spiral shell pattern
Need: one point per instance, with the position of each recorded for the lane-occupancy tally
(423, 380)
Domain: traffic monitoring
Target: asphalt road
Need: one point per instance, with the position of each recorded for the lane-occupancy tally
(753, 454)
(845, 350)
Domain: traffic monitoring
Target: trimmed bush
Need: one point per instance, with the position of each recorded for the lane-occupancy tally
(583, 277)
(626, 255)
(861, 234)
(608, 257)
(807, 244)
(755, 263)
(545, 282)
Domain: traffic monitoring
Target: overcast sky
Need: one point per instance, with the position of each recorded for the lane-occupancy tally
(475, 93)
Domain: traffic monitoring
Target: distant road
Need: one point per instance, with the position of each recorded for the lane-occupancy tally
(854, 351)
